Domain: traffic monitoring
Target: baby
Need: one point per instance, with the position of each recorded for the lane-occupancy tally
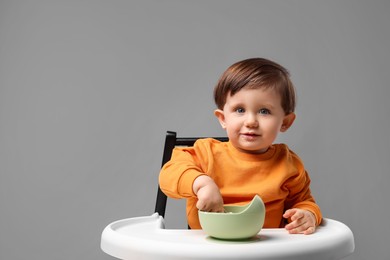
(255, 101)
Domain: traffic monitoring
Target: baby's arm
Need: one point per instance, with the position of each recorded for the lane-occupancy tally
(302, 221)
(209, 196)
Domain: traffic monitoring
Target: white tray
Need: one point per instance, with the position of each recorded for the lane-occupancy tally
(146, 238)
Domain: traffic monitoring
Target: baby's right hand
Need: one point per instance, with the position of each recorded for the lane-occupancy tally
(209, 196)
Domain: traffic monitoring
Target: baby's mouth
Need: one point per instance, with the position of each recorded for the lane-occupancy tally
(250, 136)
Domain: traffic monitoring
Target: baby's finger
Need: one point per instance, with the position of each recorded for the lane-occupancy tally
(295, 224)
(201, 205)
(298, 214)
(309, 231)
(219, 210)
(300, 227)
(289, 213)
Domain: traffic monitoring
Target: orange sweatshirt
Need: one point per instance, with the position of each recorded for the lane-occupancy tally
(277, 176)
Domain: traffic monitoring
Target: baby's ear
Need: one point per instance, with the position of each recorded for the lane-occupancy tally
(221, 117)
(287, 122)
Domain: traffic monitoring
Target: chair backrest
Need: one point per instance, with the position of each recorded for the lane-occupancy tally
(171, 141)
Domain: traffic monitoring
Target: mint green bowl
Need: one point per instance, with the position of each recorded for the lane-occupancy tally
(238, 223)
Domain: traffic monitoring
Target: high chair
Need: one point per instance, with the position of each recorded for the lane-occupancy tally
(145, 237)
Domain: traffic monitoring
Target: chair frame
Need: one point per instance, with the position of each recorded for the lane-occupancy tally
(171, 141)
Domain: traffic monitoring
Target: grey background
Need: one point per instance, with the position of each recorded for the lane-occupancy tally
(88, 89)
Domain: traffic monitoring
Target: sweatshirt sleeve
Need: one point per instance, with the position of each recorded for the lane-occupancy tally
(177, 175)
(300, 194)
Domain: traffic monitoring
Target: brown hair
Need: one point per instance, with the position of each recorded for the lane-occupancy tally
(256, 73)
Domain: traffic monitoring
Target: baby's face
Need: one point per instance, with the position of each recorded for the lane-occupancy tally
(252, 119)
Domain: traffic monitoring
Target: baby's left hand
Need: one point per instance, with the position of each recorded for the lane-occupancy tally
(302, 221)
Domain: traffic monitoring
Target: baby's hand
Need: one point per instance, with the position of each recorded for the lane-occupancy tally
(302, 221)
(209, 196)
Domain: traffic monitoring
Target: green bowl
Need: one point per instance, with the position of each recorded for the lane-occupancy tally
(237, 223)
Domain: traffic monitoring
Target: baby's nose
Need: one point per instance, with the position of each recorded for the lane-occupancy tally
(251, 121)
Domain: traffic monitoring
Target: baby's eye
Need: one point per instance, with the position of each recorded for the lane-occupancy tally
(264, 111)
(240, 110)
